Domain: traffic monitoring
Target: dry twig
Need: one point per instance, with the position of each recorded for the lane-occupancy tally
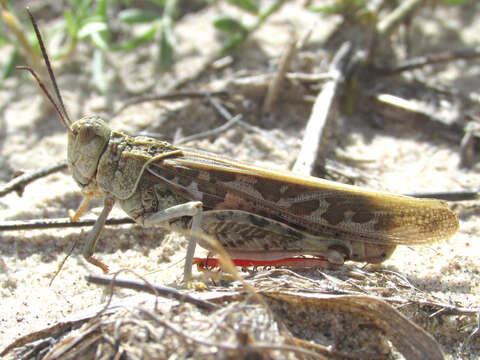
(397, 108)
(395, 18)
(277, 81)
(18, 184)
(232, 121)
(172, 96)
(157, 290)
(15, 225)
(314, 145)
(422, 61)
(449, 195)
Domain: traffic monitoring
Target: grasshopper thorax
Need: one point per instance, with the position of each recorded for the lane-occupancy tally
(86, 142)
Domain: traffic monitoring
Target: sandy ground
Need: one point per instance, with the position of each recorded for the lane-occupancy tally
(397, 156)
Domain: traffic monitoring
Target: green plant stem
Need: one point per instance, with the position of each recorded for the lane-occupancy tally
(264, 16)
(16, 28)
(240, 38)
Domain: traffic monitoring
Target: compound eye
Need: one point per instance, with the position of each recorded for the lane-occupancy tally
(85, 134)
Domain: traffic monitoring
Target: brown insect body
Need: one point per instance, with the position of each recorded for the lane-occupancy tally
(256, 213)
(253, 212)
(372, 222)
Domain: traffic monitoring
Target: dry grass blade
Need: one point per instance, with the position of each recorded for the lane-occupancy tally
(243, 348)
(276, 84)
(412, 341)
(132, 327)
(240, 330)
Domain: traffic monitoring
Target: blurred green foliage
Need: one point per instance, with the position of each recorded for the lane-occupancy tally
(102, 22)
(124, 25)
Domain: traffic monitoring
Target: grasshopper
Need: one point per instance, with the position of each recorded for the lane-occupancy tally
(259, 215)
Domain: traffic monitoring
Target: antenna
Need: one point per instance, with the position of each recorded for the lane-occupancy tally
(47, 93)
(61, 110)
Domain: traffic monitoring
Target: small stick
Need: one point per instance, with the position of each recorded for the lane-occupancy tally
(56, 223)
(18, 184)
(395, 18)
(439, 58)
(151, 289)
(211, 132)
(275, 85)
(170, 96)
(285, 62)
(450, 195)
(400, 109)
(467, 145)
(227, 116)
(308, 77)
(320, 121)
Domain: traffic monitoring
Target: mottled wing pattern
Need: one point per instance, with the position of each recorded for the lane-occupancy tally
(307, 203)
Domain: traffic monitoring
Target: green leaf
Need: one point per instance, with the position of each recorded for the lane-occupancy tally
(71, 24)
(139, 40)
(137, 16)
(80, 7)
(102, 14)
(455, 2)
(91, 28)
(166, 48)
(340, 7)
(232, 44)
(102, 9)
(98, 71)
(247, 5)
(230, 25)
(99, 41)
(3, 39)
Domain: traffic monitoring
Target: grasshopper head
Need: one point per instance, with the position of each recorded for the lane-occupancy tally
(86, 143)
(87, 137)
